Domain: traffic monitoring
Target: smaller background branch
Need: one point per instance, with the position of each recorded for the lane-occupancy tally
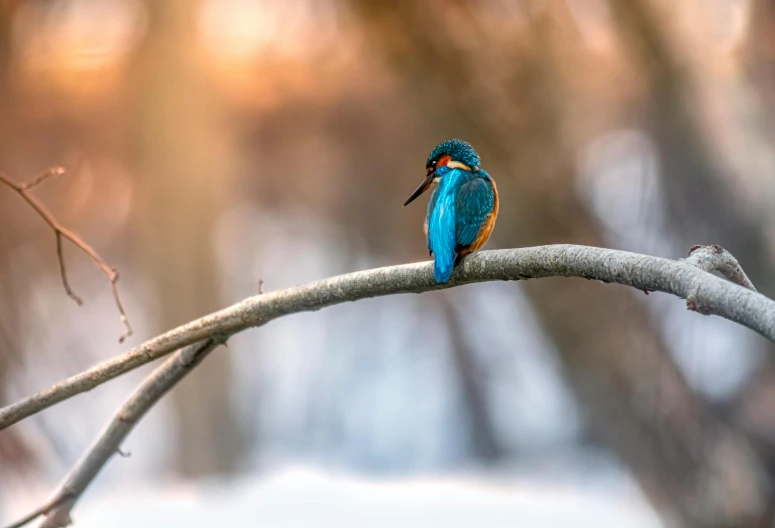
(60, 232)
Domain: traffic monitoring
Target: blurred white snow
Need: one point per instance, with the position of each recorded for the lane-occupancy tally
(296, 497)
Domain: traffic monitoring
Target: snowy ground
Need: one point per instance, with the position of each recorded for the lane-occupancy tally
(302, 497)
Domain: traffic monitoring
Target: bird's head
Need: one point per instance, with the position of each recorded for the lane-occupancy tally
(453, 154)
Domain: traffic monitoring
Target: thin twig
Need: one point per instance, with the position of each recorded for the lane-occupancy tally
(60, 231)
(56, 171)
(716, 258)
(63, 271)
(712, 294)
(157, 384)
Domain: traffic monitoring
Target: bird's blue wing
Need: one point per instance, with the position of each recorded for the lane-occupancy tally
(475, 201)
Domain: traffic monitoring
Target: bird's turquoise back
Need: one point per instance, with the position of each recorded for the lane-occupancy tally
(458, 208)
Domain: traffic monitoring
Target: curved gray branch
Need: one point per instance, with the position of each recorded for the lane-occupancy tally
(707, 293)
(56, 511)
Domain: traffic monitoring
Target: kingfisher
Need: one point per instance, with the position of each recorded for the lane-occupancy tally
(463, 206)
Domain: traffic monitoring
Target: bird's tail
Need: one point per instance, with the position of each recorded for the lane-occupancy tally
(442, 267)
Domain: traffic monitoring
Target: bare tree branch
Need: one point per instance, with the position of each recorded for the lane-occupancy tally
(42, 510)
(57, 509)
(60, 231)
(680, 278)
(34, 182)
(710, 295)
(716, 258)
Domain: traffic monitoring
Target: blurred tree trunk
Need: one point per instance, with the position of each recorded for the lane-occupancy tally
(703, 202)
(691, 464)
(699, 184)
(8, 344)
(759, 68)
(696, 470)
(484, 438)
(760, 53)
(15, 453)
(753, 406)
(183, 164)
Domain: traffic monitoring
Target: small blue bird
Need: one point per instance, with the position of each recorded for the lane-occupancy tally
(462, 209)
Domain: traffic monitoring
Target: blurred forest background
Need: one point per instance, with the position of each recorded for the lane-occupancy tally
(213, 143)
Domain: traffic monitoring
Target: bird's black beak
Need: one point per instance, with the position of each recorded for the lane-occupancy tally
(422, 187)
